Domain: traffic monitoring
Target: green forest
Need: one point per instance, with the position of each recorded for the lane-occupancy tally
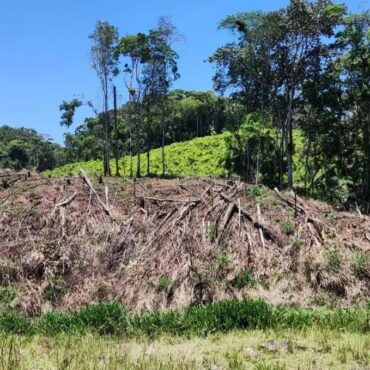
(291, 91)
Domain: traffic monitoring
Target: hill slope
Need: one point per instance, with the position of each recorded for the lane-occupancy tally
(203, 156)
(164, 243)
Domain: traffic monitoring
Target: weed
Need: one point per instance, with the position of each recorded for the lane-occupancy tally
(212, 232)
(56, 289)
(234, 362)
(361, 265)
(297, 243)
(163, 284)
(245, 278)
(287, 227)
(333, 258)
(331, 217)
(257, 192)
(222, 262)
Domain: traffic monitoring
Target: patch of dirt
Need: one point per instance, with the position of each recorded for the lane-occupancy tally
(155, 243)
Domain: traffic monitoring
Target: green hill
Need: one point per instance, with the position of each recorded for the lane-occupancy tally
(203, 156)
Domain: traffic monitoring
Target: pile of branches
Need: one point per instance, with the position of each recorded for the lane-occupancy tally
(170, 243)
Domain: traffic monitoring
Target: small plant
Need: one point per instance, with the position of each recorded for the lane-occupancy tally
(212, 232)
(257, 191)
(331, 217)
(164, 283)
(361, 265)
(297, 244)
(221, 262)
(288, 227)
(7, 296)
(245, 278)
(333, 258)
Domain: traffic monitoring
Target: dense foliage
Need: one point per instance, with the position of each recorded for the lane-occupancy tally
(302, 67)
(204, 156)
(25, 148)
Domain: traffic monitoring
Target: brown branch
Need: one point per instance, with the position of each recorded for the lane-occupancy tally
(268, 232)
(89, 184)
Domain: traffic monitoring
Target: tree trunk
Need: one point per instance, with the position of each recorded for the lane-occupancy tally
(148, 159)
(307, 153)
(163, 154)
(116, 131)
(107, 171)
(366, 138)
(289, 126)
(137, 118)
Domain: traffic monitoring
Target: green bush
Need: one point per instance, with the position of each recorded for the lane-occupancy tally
(54, 323)
(245, 278)
(257, 191)
(106, 318)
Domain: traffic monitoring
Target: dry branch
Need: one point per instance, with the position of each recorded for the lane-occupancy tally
(268, 232)
(89, 184)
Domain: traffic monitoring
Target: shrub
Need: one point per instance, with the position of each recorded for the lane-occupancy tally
(13, 323)
(106, 318)
(54, 322)
(245, 278)
(257, 192)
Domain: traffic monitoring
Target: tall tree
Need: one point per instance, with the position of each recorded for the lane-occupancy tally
(135, 51)
(104, 37)
(159, 73)
(274, 56)
(355, 74)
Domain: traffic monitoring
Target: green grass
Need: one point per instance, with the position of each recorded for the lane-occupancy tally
(203, 156)
(223, 316)
(304, 349)
(224, 335)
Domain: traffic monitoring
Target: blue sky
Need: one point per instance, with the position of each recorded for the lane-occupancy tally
(45, 49)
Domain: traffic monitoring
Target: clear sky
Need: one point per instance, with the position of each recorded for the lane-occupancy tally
(45, 49)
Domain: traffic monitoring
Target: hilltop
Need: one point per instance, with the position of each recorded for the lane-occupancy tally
(155, 243)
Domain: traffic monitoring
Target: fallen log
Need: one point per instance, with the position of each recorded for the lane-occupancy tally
(267, 232)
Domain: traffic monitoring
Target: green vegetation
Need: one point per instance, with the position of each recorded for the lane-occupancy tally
(361, 265)
(333, 258)
(164, 283)
(287, 227)
(223, 316)
(212, 232)
(199, 157)
(245, 278)
(25, 148)
(310, 348)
